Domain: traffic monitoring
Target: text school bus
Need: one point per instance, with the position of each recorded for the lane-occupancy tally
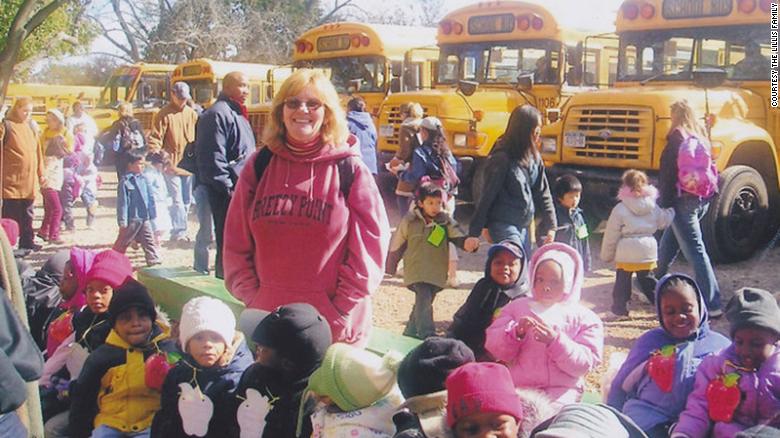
(144, 85)
(493, 57)
(714, 53)
(369, 60)
(48, 96)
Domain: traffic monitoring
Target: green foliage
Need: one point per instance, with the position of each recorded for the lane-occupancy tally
(61, 21)
(95, 71)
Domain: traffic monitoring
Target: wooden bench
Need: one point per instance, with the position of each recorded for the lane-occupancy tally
(171, 288)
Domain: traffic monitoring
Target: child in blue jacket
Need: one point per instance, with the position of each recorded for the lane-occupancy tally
(135, 210)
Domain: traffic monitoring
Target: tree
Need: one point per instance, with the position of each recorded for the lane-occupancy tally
(95, 71)
(30, 29)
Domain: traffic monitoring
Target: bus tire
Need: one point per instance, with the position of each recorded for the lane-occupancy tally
(735, 224)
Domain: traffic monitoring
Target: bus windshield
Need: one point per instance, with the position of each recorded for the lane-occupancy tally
(500, 62)
(671, 55)
(352, 73)
(203, 91)
(116, 90)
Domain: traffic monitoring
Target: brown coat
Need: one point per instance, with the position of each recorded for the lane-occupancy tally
(22, 160)
(172, 129)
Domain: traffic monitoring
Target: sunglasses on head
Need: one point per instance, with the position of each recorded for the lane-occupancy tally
(294, 104)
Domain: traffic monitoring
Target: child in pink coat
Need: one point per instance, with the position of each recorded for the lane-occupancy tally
(549, 340)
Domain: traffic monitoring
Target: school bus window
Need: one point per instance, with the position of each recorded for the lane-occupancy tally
(346, 72)
(448, 69)
(254, 94)
(469, 71)
(752, 61)
(118, 87)
(152, 90)
(202, 91)
(660, 56)
(502, 64)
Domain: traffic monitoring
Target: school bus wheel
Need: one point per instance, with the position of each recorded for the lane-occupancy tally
(735, 224)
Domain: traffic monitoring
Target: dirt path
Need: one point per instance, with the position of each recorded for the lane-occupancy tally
(393, 302)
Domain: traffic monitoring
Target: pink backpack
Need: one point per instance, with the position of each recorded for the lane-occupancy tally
(696, 171)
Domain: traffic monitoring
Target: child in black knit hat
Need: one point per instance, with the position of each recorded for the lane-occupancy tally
(291, 343)
(119, 387)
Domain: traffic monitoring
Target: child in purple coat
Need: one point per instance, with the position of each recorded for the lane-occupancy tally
(682, 314)
(739, 388)
(549, 340)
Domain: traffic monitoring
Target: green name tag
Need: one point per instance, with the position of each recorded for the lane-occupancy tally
(582, 232)
(437, 236)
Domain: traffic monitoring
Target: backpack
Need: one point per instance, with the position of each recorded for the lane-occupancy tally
(696, 171)
(346, 172)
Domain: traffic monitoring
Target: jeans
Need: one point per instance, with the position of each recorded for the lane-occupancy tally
(11, 426)
(104, 431)
(206, 231)
(176, 186)
(685, 235)
(420, 324)
(501, 231)
(66, 201)
(141, 232)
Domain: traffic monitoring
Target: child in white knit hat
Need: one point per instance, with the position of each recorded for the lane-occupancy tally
(357, 393)
(198, 390)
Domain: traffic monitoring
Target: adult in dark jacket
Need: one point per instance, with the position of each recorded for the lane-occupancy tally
(362, 126)
(223, 141)
(500, 285)
(516, 187)
(42, 295)
(20, 362)
(685, 233)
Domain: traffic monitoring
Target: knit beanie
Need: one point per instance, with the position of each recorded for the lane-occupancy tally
(480, 387)
(206, 313)
(354, 378)
(426, 367)
(298, 333)
(753, 307)
(582, 420)
(112, 267)
(130, 294)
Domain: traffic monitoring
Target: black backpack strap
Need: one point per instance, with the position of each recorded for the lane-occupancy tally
(346, 174)
(261, 161)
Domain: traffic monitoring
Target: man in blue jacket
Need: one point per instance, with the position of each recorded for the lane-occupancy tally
(223, 141)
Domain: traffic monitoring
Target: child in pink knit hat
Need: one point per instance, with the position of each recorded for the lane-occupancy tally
(481, 399)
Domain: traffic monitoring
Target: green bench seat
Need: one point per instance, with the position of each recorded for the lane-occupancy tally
(171, 288)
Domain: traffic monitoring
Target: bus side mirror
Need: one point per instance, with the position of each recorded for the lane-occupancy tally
(709, 77)
(467, 87)
(396, 68)
(525, 82)
(269, 93)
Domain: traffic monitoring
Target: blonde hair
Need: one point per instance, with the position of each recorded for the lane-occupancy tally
(414, 110)
(634, 179)
(125, 109)
(334, 128)
(18, 104)
(687, 119)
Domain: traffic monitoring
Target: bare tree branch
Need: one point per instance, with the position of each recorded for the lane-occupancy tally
(336, 8)
(131, 40)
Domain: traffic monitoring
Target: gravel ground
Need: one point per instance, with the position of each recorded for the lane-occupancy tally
(393, 302)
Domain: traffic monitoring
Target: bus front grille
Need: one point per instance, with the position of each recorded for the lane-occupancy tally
(613, 136)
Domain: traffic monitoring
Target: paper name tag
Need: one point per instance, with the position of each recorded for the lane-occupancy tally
(437, 236)
(582, 232)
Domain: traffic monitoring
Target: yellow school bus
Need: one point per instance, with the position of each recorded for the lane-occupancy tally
(493, 58)
(204, 77)
(48, 96)
(715, 54)
(145, 85)
(369, 60)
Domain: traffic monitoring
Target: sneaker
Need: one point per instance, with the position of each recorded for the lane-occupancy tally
(715, 313)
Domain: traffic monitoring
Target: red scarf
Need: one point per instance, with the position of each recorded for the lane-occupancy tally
(304, 149)
(242, 107)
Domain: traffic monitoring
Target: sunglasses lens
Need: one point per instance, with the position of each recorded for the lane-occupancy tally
(313, 104)
(295, 104)
(292, 104)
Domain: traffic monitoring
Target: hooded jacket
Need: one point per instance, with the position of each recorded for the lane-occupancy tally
(484, 302)
(512, 195)
(423, 261)
(759, 390)
(636, 394)
(218, 383)
(111, 389)
(362, 126)
(631, 225)
(295, 238)
(571, 223)
(557, 369)
(135, 199)
(223, 141)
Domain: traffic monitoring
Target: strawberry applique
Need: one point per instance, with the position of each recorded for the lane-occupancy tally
(723, 397)
(156, 368)
(660, 367)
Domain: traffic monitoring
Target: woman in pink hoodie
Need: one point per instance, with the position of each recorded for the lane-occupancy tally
(306, 222)
(549, 340)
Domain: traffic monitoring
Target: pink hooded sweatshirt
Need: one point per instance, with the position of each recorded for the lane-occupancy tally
(557, 369)
(293, 237)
